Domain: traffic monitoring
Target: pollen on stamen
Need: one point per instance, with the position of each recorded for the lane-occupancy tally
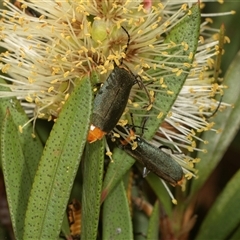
(20, 128)
(170, 92)
(188, 176)
(134, 145)
(66, 96)
(29, 99)
(50, 89)
(197, 160)
(116, 135)
(110, 156)
(160, 115)
(190, 149)
(190, 55)
(188, 65)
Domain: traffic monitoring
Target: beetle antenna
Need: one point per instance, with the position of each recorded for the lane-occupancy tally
(215, 111)
(138, 78)
(128, 42)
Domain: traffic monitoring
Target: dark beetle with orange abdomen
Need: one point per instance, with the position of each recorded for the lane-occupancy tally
(150, 156)
(110, 102)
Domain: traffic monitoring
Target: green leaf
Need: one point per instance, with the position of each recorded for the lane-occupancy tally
(32, 147)
(116, 215)
(122, 162)
(92, 186)
(58, 166)
(153, 226)
(228, 121)
(187, 30)
(223, 217)
(16, 176)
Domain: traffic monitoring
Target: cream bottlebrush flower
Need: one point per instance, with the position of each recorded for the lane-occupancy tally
(192, 111)
(51, 45)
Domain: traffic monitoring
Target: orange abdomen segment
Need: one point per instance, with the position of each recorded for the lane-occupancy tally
(95, 134)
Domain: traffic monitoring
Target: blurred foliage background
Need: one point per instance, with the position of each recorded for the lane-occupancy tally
(230, 163)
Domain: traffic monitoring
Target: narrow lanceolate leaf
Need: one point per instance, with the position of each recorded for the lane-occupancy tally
(223, 217)
(227, 122)
(116, 215)
(31, 147)
(16, 176)
(121, 163)
(58, 166)
(153, 226)
(92, 186)
(178, 64)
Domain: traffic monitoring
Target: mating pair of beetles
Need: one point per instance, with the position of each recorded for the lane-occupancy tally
(106, 115)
